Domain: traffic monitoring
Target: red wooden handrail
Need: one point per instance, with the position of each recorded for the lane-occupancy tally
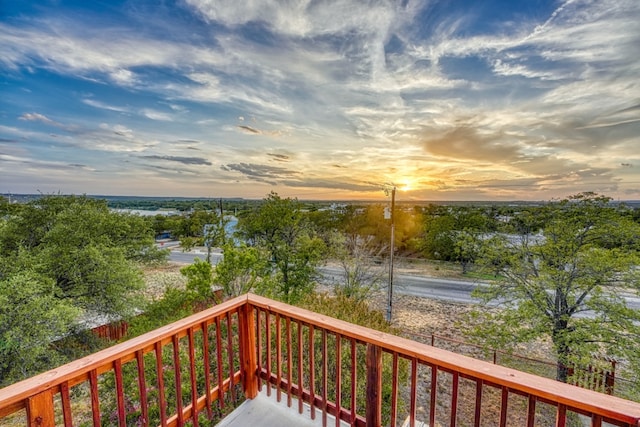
(252, 344)
(544, 389)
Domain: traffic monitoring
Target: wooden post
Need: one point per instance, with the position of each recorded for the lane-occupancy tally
(248, 358)
(374, 385)
(40, 410)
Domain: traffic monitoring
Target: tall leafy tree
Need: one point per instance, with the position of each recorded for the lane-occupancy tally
(566, 284)
(280, 227)
(243, 269)
(73, 258)
(31, 317)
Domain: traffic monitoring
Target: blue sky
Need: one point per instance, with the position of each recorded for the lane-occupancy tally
(449, 100)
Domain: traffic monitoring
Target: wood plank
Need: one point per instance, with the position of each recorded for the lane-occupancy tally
(374, 385)
(40, 412)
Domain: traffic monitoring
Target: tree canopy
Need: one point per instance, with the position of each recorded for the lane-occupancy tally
(566, 283)
(280, 227)
(64, 259)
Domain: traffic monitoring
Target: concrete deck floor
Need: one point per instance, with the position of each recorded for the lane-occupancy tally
(266, 411)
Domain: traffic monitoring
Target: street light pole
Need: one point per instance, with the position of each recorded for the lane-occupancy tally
(391, 250)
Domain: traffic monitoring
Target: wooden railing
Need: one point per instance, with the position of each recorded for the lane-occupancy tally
(201, 367)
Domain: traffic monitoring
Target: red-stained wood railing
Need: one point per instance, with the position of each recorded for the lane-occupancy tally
(166, 377)
(365, 377)
(347, 374)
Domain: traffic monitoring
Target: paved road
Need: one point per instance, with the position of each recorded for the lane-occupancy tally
(188, 257)
(428, 287)
(443, 289)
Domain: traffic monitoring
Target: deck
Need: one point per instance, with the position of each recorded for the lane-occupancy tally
(300, 367)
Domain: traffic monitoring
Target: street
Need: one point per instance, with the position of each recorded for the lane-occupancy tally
(429, 287)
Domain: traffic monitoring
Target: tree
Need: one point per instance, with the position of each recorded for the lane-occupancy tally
(360, 276)
(447, 230)
(280, 227)
(242, 269)
(31, 317)
(199, 279)
(62, 258)
(566, 285)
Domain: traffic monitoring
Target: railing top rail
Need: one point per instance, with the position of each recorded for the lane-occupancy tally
(575, 397)
(15, 393)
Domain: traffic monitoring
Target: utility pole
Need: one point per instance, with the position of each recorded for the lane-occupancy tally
(391, 250)
(223, 237)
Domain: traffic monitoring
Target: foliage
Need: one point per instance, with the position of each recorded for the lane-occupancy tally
(360, 275)
(467, 248)
(174, 305)
(279, 227)
(74, 257)
(345, 308)
(242, 269)
(567, 285)
(31, 317)
(199, 279)
(446, 226)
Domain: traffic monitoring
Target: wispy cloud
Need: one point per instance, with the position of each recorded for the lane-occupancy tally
(419, 90)
(184, 160)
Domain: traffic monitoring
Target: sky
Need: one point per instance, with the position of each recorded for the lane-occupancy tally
(329, 99)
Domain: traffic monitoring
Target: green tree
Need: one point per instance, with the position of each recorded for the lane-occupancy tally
(467, 248)
(445, 226)
(242, 269)
(280, 227)
(199, 279)
(31, 317)
(567, 284)
(77, 259)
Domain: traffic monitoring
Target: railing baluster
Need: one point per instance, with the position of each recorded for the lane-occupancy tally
(289, 361)
(207, 368)
(160, 377)
(178, 377)
(432, 397)
(259, 345)
(95, 399)
(374, 385)
(338, 379)
(561, 418)
(66, 404)
(300, 373)
(269, 355)
(478, 406)
(454, 399)
(230, 354)
(596, 421)
(354, 381)
(192, 375)
(142, 388)
(504, 405)
(278, 357)
(325, 380)
(312, 372)
(531, 411)
(394, 390)
(413, 393)
(120, 393)
(221, 396)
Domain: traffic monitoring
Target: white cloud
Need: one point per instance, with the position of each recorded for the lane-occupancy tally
(156, 115)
